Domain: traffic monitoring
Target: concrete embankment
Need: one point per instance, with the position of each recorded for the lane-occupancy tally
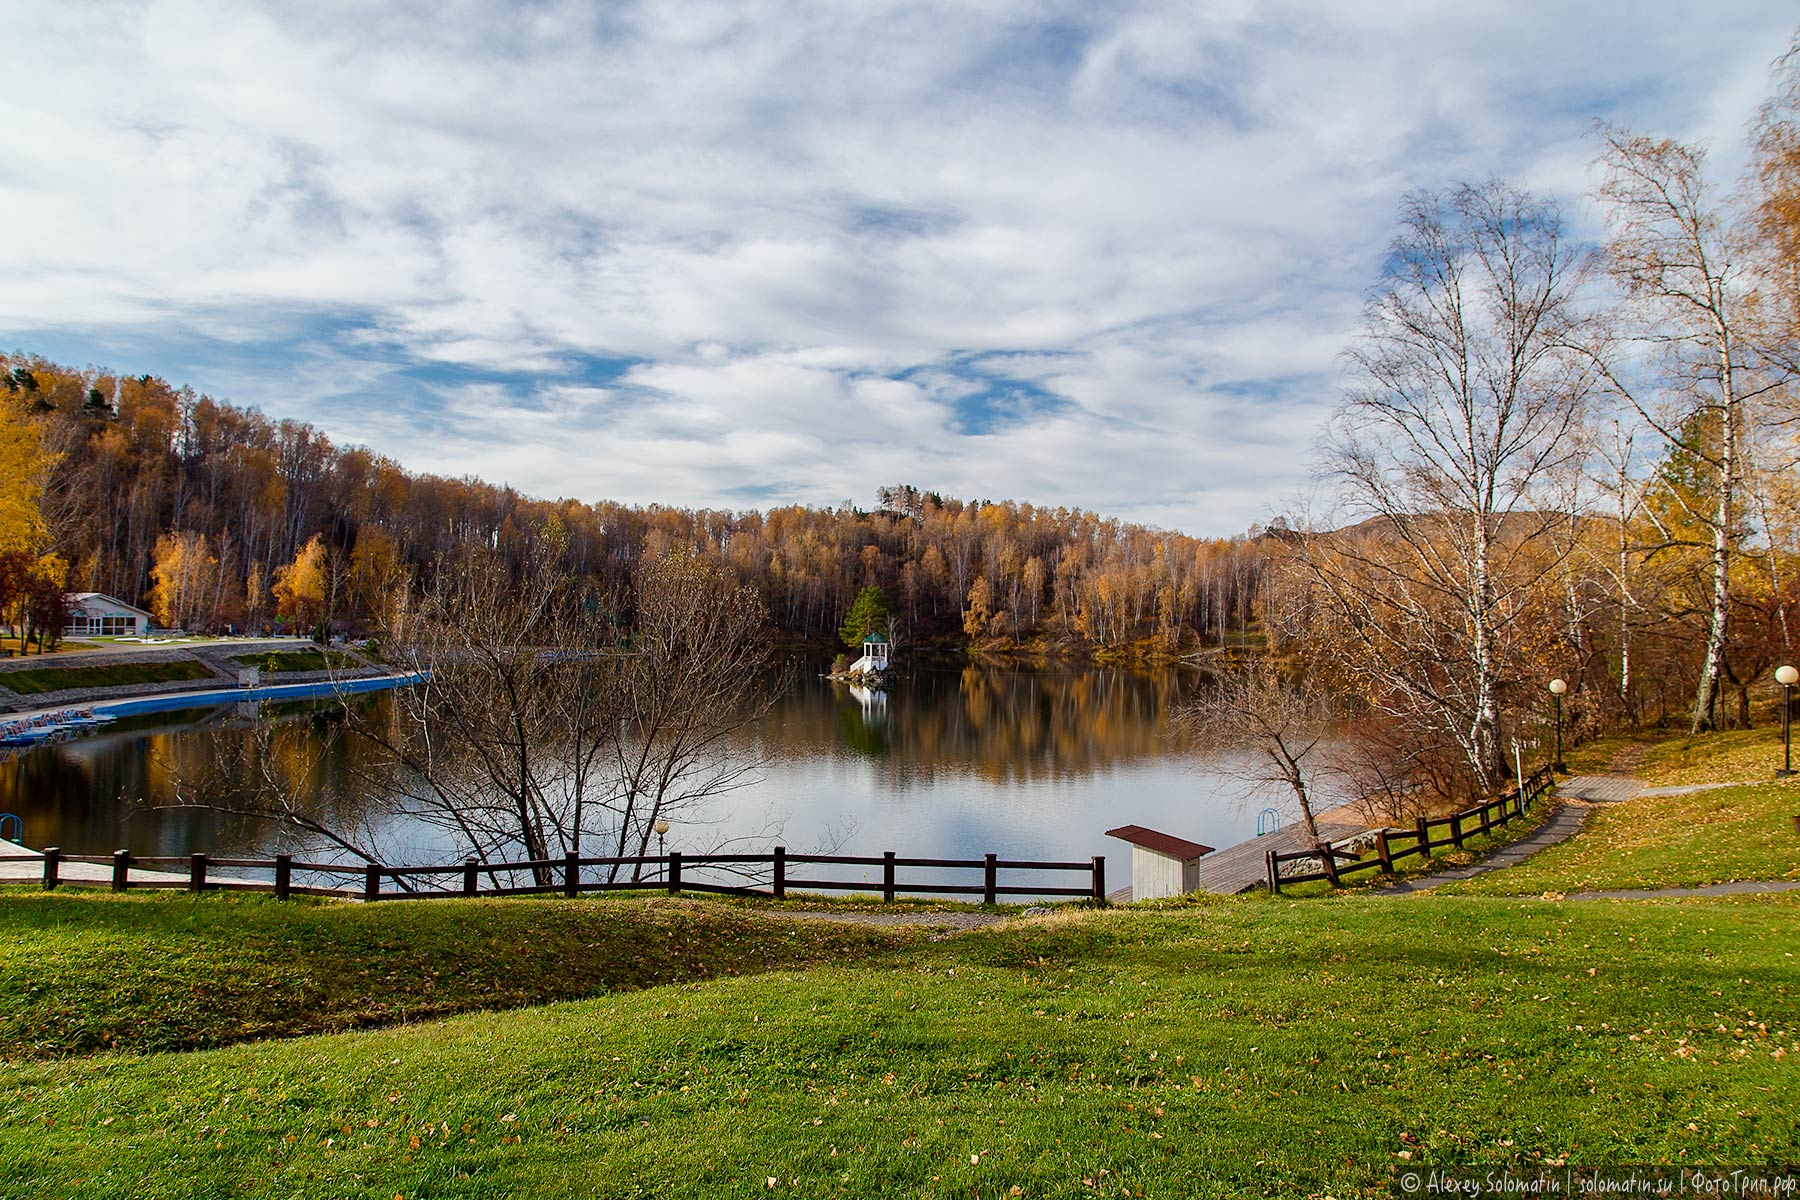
(177, 676)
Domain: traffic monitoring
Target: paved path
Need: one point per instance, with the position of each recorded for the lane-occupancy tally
(1563, 824)
(1578, 795)
(1600, 789)
(1690, 788)
(1749, 887)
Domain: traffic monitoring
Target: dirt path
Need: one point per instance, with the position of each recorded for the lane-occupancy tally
(958, 920)
(1629, 759)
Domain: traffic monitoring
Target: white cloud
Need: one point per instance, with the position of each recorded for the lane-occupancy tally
(1161, 214)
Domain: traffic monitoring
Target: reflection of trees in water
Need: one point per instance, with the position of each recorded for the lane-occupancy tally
(989, 723)
(95, 794)
(995, 723)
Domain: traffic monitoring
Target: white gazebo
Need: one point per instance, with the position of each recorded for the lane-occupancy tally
(874, 655)
(1161, 863)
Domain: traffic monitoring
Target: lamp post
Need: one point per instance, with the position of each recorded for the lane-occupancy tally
(663, 850)
(1787, 677)
(1557, 688)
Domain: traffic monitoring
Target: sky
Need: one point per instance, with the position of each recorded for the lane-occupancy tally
(736, 255)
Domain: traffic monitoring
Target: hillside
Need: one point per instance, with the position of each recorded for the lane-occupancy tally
(215, 515)
(1240, 1048)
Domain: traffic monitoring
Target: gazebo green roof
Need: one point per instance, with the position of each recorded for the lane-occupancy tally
(874, 636)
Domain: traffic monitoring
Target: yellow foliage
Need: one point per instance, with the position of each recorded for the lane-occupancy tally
(300, 586)
(24, 464)
(182, 570)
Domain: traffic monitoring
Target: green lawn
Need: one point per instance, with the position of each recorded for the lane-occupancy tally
(166, 971)
(34, 680)
(1242, 1048)
(276, 661)
(1716, 836)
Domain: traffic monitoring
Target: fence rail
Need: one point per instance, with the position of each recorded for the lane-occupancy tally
(1483, 818)
(573, 874)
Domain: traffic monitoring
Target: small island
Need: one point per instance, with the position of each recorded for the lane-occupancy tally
(872, 669)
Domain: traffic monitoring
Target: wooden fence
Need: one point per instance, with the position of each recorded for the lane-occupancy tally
(1500, 811)
(570, 875)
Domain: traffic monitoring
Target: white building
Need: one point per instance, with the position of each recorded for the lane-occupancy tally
(874, 655)
(96, 612)
(1161, 863)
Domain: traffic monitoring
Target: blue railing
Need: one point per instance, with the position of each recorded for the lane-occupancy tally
(18, 829)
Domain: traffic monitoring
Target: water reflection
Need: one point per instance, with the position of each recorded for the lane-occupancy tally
(955, 761)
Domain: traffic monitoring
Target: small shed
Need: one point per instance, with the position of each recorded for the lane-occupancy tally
(96, 612)
(1161, 863)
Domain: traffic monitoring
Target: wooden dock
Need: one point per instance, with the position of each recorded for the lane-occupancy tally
(1244, 866)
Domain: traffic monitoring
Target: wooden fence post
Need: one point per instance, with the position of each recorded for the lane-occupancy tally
(1383, 853)
(1274, 872)
(284, 875)
(990, 881)
(1100, 878)
(52, 865)
(372, 881)
(1485, 826)
(778, 882)
(1330, 861)
(121, 870)
(1456, 829)
(887, 876)
(1424, 832)
(572, 874)
(674, 872)
(471, 882)
(196, 872)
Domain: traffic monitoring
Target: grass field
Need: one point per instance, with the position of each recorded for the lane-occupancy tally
(80, 973)
(33, 680)
(1241, 1048)
(1716, 836)
(1674, 759)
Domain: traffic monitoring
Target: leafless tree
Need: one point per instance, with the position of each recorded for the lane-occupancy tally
(697, 674)
(1278, 725)
(536, 729)
(1453, 454)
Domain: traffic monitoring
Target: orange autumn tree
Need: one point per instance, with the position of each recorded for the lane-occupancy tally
(301, 586)
(184, 576)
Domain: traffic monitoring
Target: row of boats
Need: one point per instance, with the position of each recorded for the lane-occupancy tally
(45, 726)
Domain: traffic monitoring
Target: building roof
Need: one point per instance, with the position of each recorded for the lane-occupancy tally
(874, 636)
(78, 597)
(1162, 843)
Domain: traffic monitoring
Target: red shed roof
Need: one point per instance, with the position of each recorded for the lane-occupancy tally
(1162, 843)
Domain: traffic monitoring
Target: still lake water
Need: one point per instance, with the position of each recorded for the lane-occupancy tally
(952, 762)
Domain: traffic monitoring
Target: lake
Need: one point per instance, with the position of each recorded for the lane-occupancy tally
(953, 761)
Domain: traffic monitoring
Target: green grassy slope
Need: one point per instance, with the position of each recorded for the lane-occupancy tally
(1246, 1048)
(1716, 836)
(167, 971)
(34, 680)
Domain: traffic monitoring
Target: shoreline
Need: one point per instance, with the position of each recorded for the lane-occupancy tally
(213, 697)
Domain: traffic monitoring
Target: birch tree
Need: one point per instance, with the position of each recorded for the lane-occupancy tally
(1454, 452)
(1684, 359)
